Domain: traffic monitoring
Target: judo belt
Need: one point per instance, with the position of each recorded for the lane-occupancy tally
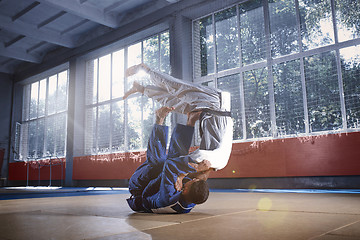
(214, 112)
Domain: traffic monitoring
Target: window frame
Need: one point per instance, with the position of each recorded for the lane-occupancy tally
(89, 148)
(26, 118)
(269, 62)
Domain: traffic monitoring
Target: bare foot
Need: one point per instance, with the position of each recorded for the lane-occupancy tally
(134, 69)
(161, 114)
(135, 88)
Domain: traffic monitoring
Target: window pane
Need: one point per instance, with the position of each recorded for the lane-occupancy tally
(95, 81)
(42, 98)
(165, 52)
(118, 127)
(91, 81)
(34, 100)
(257, 103)
(90, 134)
(93, 133)
(283, 27)
(134, 123)
(252, 34)
(118, 74)
(61, 134)
(26, 102)
(350, 67)
(62, 91)
(134, 58)
(151, 52)
(103, 129)
(134, 54)
(32, 139)
(24, 137)
(50, 135)
(148, 119)
(40, 137)
(231, 84)
(288, 98)
(204, 45)
(316, 23)
(322, 92)
(104, 77)
(227, 39)
(52, 94)
(348, 19)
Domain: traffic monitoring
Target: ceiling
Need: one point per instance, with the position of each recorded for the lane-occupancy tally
(29, 30)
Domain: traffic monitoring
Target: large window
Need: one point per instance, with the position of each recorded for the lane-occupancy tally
(112, 124)
(43, 129)
(292, 66)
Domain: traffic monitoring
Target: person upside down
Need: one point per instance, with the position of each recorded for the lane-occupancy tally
(169, 182)
(177, 181)
(216, 124)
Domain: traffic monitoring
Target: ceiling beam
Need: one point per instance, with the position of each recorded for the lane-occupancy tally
(9, 43)
(19, 54)
(49, 20)
(32, 31)
(24, 11)
(74, 26)
(116, 5)
(144, 10)
(85, 11)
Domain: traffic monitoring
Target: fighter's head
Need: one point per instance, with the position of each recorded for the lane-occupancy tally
(196, 191)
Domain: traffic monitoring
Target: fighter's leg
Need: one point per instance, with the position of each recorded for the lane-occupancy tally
(136, 88)
(182, 136)
(156, 154)
(185, 96)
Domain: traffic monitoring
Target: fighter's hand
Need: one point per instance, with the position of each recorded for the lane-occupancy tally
(193, 117)
(161, 114)
(178, 183)
(202, 166)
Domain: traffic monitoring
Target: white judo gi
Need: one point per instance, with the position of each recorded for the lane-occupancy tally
(216, 125)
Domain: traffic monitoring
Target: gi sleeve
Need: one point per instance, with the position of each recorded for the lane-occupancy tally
(218, 156)
(156, 149)
(161, 192)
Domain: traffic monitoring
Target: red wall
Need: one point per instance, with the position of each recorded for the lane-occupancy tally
(325, 155)
(110, 166)
(18, 170)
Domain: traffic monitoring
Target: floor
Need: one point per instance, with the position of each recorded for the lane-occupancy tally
(228, 214)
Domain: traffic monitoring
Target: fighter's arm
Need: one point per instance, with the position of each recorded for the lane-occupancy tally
(217, 157)
(166, 192)
(176, 165)
(202, 172)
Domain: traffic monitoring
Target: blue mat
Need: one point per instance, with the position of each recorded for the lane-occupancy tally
(348, 191)
(20, 193)
(34, 192)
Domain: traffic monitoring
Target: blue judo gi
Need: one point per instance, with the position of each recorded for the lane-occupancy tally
(152, 186)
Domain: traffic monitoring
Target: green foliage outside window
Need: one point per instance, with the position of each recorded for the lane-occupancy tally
(289, 74)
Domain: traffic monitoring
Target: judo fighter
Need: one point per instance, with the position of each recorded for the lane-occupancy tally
(169, 182)
(216, 124)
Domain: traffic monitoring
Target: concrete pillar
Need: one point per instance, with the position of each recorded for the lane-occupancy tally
(76, 113)
(180, 49)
